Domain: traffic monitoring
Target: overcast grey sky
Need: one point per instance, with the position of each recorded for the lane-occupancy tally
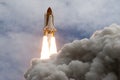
(21, 23)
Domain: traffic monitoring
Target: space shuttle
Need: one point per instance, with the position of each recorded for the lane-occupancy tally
(49, 28)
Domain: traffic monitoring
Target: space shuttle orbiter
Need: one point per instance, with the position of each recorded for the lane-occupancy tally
(49, 23)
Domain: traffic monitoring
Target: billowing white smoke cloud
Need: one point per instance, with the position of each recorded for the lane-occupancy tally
(97, 58)
(21, 23)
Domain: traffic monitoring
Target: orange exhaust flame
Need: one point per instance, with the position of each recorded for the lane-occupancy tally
(48, 47)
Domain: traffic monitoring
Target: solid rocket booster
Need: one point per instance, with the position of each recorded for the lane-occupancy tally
(49, 28)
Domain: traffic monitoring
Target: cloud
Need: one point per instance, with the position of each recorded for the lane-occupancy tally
(17, 15)
(21, 24)
(96, 58)
(15, 53)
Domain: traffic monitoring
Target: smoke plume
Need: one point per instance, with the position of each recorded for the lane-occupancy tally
(97, 58)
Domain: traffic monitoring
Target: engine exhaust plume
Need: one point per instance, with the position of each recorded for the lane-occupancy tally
(45, 48)
(53, 48)
(48, 47)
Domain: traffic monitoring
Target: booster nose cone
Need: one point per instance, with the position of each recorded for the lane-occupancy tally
(49, 11)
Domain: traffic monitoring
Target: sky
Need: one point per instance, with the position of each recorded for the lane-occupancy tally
(21, 23)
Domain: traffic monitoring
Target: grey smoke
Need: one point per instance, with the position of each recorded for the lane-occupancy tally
(97, 58)
(21, 23)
